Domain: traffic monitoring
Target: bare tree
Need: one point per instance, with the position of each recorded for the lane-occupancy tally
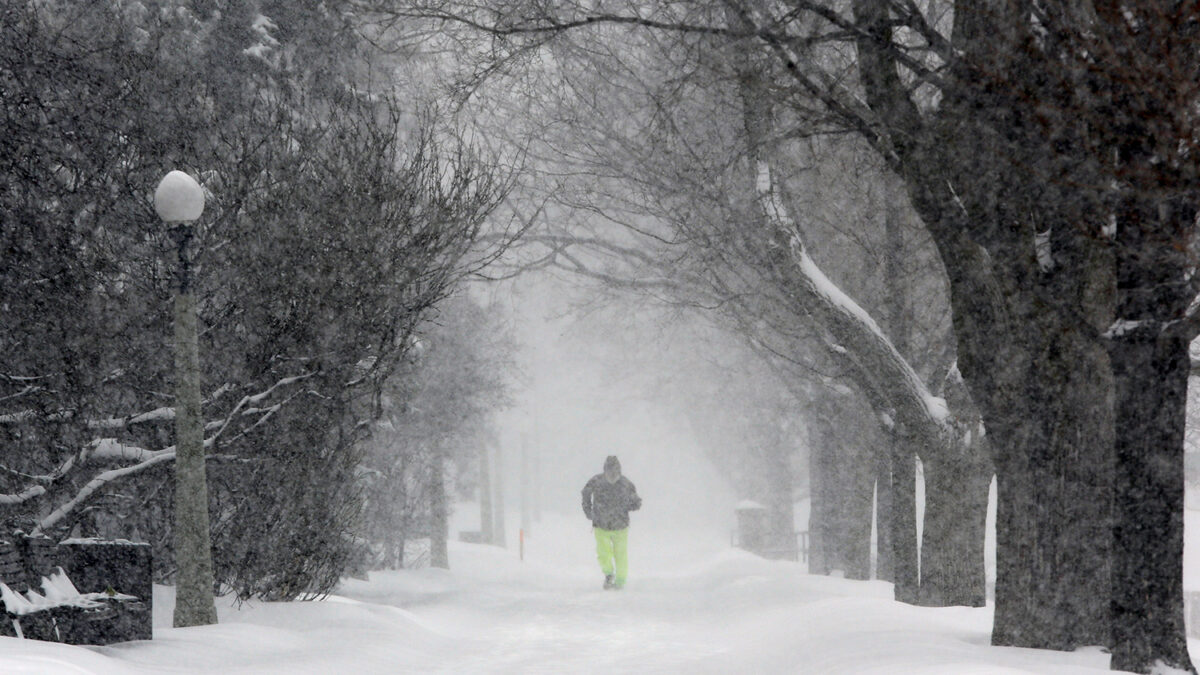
(1023, 132)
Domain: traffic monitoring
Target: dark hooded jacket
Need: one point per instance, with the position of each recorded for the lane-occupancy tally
(607, 504)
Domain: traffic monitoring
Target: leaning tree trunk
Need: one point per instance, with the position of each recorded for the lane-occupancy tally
(439, 525)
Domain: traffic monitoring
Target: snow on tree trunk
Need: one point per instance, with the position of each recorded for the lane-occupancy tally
(879, 368)
(924, 418)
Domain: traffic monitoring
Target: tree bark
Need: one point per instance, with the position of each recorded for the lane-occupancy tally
(883, 516)
(853, 507)
(486, 527)
(952, 560)
(498, 535)
(1150, 362)
(842, 481)
(780, 508)
(439, 525)
(1053, 522)
(904, 521)
(1147, 585)
(819, 516)
(897, 532)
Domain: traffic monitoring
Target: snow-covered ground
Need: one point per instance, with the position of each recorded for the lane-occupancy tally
(693, 605)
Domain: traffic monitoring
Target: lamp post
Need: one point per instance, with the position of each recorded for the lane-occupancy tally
(179, 201)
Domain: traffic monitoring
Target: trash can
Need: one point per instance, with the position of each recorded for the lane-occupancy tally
(752, 530)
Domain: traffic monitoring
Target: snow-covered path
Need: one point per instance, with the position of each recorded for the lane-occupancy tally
(693, 605)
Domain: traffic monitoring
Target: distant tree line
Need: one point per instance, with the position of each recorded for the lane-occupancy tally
(437, 415)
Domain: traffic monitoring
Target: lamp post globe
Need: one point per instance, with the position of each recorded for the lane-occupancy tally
(178, 198)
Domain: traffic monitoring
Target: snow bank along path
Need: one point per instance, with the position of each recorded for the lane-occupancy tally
(692, 606)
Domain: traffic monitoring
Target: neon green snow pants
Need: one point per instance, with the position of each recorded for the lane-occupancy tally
(612, 545)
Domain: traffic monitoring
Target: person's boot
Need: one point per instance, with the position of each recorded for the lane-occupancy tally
(609, 582)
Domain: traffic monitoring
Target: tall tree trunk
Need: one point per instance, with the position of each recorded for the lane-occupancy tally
(485, 497)
(897, 553)
(1148, 349)
(852, 503)
(883, 516)
(781, 525)
(1022, 335)
(819, 516)
(526, 488)
(498, 536)
(840, 514)
(904, 520)
(952, 561)
(439, 522)
(1053, 522)
(1147, 585)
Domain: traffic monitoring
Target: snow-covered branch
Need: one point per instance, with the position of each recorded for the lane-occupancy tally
(98, 482)
(850, 324)
(26, 494)
(157, 415)
(110, 448)
(113, 450)
(248, 405)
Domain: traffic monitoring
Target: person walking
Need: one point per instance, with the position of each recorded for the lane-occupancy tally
(608, 498)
